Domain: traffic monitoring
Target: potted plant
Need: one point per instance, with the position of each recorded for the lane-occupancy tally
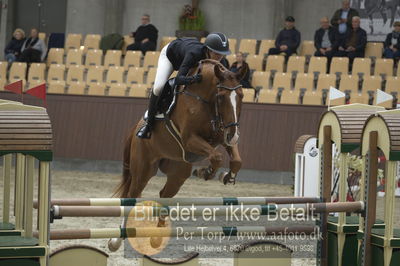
(191, 22)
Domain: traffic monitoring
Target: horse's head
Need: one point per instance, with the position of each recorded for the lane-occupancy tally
(228, 102)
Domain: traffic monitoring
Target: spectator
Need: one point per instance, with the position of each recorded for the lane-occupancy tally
(325, 40)
(392, 42)
(343, 17)
(353, 45)
(33, 49)
(236, 66)
(13, 48)
(145, 36)
(288, 39)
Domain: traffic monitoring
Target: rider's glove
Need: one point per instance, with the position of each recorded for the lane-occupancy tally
(182, 80)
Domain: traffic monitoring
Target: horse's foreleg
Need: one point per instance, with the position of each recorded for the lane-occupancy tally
(235, 163)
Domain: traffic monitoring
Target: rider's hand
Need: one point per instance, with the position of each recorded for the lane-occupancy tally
(197, 78)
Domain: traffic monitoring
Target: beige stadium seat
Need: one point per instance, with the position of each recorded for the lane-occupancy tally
(248, 95)
(73, 41)
(115, 76)
(139, 90)
(268, 96)
(36, 74)
(304, 81)
(339, 66)
(348, 83)
(74, 57)
(296, 64)
(260, 80)
(313, 98)
(384, 67)
(174, 74)
(3, 71)
(132, 59)
(165, 40)
(97, 89)
(275, 63)
(356, 97)
(17, 72)
(398, 72)
(55, 79)
(93, 58)
(117, 89)
(290, 97)
(248, 46)
(127, 41)
(307, 48)
(255, 62)
(151, 59)
(112, 58)
(135, 76)
(371, 83)
(95, 75)
(55, 56)
(361, 67)
(392, 85)
(374, 50)
(151, 76)
(265, 46)
(92, 41)
(232, 45)
(282, 81)
(325, 81)
(76, 88)
(42, 36)
(75, 75)
(317, 65)
(56, 87)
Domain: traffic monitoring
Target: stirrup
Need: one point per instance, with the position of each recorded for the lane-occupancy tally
(144, 132)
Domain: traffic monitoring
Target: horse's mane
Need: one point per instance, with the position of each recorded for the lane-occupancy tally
(214, 62)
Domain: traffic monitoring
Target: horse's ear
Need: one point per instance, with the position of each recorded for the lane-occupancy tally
(240, 75)
(218, 73)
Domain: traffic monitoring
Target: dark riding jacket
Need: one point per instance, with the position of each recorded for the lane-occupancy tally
(184, 54)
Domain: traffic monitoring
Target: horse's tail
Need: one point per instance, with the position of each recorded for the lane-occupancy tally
(122, 189)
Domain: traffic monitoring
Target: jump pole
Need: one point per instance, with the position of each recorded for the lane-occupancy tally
(181, 201)
(251, 210)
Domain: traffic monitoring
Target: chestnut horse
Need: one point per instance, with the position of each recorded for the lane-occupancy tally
(205, 115)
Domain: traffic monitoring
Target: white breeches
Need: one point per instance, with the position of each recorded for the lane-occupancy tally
(164, 71)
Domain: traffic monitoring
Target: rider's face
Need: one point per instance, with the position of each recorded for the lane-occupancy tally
(215, 56)
(397, 28)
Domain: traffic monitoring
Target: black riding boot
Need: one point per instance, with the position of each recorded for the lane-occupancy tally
(145, 131)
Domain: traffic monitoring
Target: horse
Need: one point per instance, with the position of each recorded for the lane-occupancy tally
(205, 115)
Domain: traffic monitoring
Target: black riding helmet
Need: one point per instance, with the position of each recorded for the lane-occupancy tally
(218, 43)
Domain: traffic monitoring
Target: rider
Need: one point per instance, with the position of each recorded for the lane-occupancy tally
(182, 55)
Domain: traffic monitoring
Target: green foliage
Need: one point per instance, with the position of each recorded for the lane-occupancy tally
(192, 22)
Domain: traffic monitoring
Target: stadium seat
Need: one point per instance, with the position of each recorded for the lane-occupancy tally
(312, 98)
(317, 65)
(296, 64)
(112, 58)
(139, 90)
(127, 41)
(76, 88)
(74, 57)
(75, 75)
(93, 58)
(248, 46)
(359, 97)
(371, 83)
(325, 81)
(114, 76)
(384, 67)
(95, 75)
(117, 89)
(135, 76)
(151, 59)
(92, 41)
(290, 97)
(392, 85)
(268, 96)
(42, 36)
(97, 89)
(3, 73)
(174, 74)
(17, 72)
(265, 46)
(255, 62)
(151, 76)
(374, 50)
(307, 48)
(57, 87)
(132, 59)
(165, 40)
(36, 74)
(232, 45)
(282, 81)
(55, 56)
(260, 80)
(361, 67)
(73, 41)
(55, 79)
(248, 95)
(339, 66)
(275, 63)
(348, 83)
(304, 81)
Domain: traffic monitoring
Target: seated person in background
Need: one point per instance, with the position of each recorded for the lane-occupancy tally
(288, 39)
(354, 44)
(392, 42)
(145, 36)
(33, 50)
(13, 48)
(236, 67)
(325, 40)
(343, 17)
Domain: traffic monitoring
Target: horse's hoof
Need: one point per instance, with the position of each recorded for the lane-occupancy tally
(155, 241)
(114, 244)
(227, 178)
(195, 173)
